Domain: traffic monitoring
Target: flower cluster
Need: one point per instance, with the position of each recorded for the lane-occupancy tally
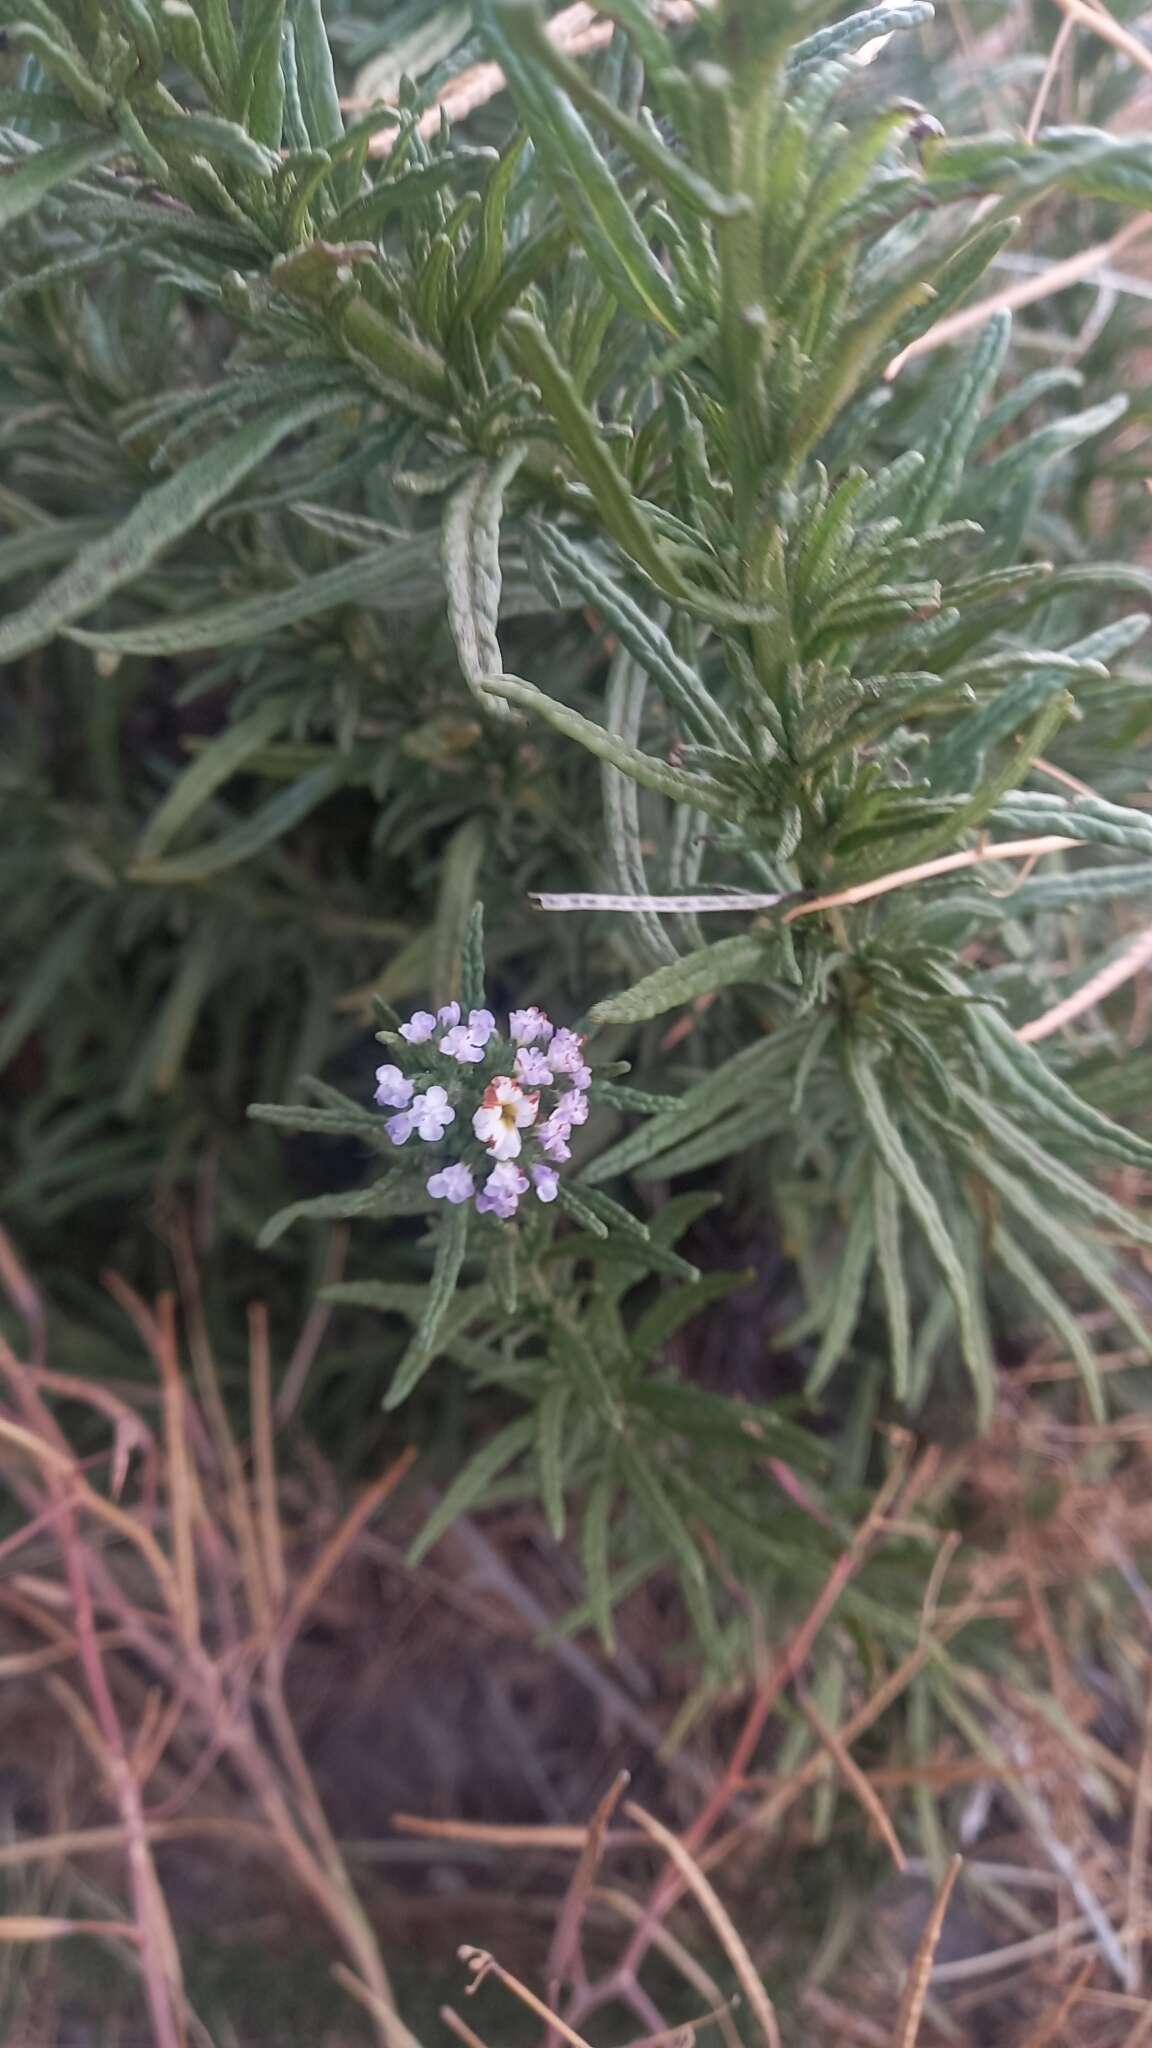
(484, 1099)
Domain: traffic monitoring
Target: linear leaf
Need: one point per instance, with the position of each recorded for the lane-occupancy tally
(391, 578)
(58, 963)
(1059, 1181)
(598, 212)
(644, 768)
(1026, 1073)
(470, 551)
(595, 1535)
(743, 958)
(278, 816)
(469, 1488)
(843, 1309)
(552, 1416)
(737, 1082)
(24, 185)
(900, 1164)
(381, 1199)
(893, 1283)
(215, 765)
(1056, 1312)
(451, 1246)
(161, 516)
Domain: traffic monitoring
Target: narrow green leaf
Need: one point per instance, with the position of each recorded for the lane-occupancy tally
(456, 907)
(160, 517)
(469, 1488)
(580, 1210)
(316, 76)
(597, 211)
(724, 1138)
(842, 1312)
(23, 185)
(60, 962)
(665, 1517)
(677, 1306)
(743, 958)
(624, 516)
(210, 769)
(278, 816)
(893, 1283)
(470, 551)
(451, 1246)
(551, 1419)
(1059, 1181)
(1027, 1075)
(650, 773)
(740, 1080)
(381, 1199)
(932, 491)
(899, 1162)
(1087, 818)
(644, 638)
(472, 961)
(1063, 1243)
(391, 578)
(595, 1535)
(1057, 1314)
(260, 70)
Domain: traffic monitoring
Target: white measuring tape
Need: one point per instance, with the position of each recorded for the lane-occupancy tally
(743, 899)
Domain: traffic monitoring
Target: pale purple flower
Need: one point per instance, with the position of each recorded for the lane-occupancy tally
(581, 1077)
(449, 1015)
(526, 1026)
(459, 1044)
(572, 1108)
(394, 1090)
(547, 1182)
(452, 1184)
(500, 1195)
(532, 1067)
(399, 1128)
(430, 1114)
(481, 1025)
(419, 1028)
(566, 1053)
(554, 1134)
(504, 1112)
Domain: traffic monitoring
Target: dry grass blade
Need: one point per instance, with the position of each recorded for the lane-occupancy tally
(1058, 277)
(483, 1965)
(315, 1323)
(460, 2028)
(1138, 1852)
(182, 1502)
(579, 31)
(747, 1975)
(682, 1959)
(338, 1545)
(1134, 958)
(39, 1927)
(496, 1834)
(264, 1453)
(23, 1295)
(927, 870)
(565, 1957)
(853, 1777)
(1064, 35)
(916, 1990)
(1103, 24)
